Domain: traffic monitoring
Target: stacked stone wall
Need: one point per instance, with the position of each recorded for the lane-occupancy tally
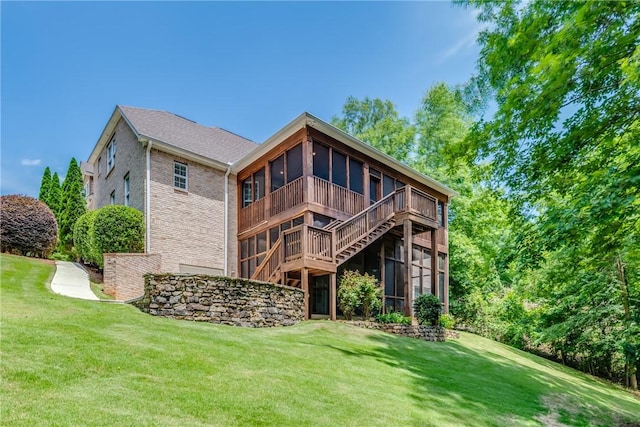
(427, 333)
(222, 300)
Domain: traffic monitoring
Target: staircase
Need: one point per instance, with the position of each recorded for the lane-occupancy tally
(339, 241)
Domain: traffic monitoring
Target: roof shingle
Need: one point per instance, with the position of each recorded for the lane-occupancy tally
(211, 142)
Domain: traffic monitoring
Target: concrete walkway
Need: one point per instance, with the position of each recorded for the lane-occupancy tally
(72, 281)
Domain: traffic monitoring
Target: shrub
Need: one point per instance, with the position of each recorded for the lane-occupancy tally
(28, 227)
(393, 317)
(427, 309)
(359, 291)
(348, 294)
(447, 321)
(118, 229)
(83, 238)
(370, 294)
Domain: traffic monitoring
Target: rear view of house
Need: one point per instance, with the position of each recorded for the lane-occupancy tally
(298, 209)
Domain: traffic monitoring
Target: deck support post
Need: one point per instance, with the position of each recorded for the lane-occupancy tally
(305, 288)
(332, 296)
(408, 252)
(435, 289)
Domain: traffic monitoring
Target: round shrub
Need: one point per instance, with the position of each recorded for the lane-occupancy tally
(83, 238)
(118, 229)
(427, 309)
(28, 227)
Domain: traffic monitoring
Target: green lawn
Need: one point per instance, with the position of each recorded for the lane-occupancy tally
(73, 362)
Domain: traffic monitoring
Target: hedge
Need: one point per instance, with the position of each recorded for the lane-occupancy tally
(111, 229)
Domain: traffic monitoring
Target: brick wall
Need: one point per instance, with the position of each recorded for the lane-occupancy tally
(223, 300)
(130, 158)
(123, 274)
(187, 227)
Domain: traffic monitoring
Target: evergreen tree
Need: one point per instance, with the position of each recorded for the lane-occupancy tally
(55, 195)
(45, 186)
(73, 204)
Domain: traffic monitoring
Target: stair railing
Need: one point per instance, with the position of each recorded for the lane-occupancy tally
(360, 225)
(272, 261)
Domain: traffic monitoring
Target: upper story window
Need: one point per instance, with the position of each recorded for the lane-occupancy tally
(338, 168)
(99, 165)
(253, 188)
(286, 168)
(441, 214)
(111, 154)
(126, 190)
(180, 175)
(112, 198)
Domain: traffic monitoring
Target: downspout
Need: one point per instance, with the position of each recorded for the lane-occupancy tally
(147, 201)
(226, 220)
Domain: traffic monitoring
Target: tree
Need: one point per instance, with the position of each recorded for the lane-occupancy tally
(28, 226)
(45, 186)
(377, 123)
(55, 196)
(72, 204)
(564, 142)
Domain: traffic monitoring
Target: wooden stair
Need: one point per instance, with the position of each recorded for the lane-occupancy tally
(360, 244)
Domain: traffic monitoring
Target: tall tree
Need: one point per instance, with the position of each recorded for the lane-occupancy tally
(564, 139)
(55, 196)
(73, 204)
(45, 186)
(377, 123)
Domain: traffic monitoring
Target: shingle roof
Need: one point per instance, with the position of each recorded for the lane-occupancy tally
(212, 142)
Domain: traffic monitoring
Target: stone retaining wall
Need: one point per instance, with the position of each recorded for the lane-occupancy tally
(427, 333)
(223, 300)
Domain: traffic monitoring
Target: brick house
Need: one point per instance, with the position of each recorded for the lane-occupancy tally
(298, 209)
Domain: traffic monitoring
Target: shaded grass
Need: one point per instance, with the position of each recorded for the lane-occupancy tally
(75, 362)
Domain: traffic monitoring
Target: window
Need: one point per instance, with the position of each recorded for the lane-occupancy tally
(126, 189)
(253, 188)
(99, 165)
(393, 276)
(440, 214)
(355, 176)
(180, 175)
(442, 262)
(252, 253)
(277, 173)
(339, 169)
(112, 197)
(294, 163)
(421, 271)
(111, 154)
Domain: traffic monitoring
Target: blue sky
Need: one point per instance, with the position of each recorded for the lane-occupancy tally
(249, 67)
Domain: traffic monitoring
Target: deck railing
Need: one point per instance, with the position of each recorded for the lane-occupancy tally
(252, 214)
(305, 241)
(286, 197)
(335, 197)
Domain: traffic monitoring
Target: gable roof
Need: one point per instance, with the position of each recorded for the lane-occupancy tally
(306, 119)
(174, 133)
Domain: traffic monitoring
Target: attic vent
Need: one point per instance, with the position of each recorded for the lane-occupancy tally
(178, 115)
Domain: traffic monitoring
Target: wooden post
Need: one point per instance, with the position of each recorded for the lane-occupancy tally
(408, 252)
(434, 262)
(382, 276)
(305, 288)
(366, 184)
(332, 296)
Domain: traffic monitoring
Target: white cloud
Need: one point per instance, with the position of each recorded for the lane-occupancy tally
(469, 28)
(460, 46)
(31, 162)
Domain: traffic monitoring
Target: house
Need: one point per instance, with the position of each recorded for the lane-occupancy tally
(298, 209)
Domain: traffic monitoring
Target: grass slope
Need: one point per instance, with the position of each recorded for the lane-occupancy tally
(74, 362)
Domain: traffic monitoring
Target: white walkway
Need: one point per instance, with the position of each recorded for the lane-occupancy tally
(72, 281)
